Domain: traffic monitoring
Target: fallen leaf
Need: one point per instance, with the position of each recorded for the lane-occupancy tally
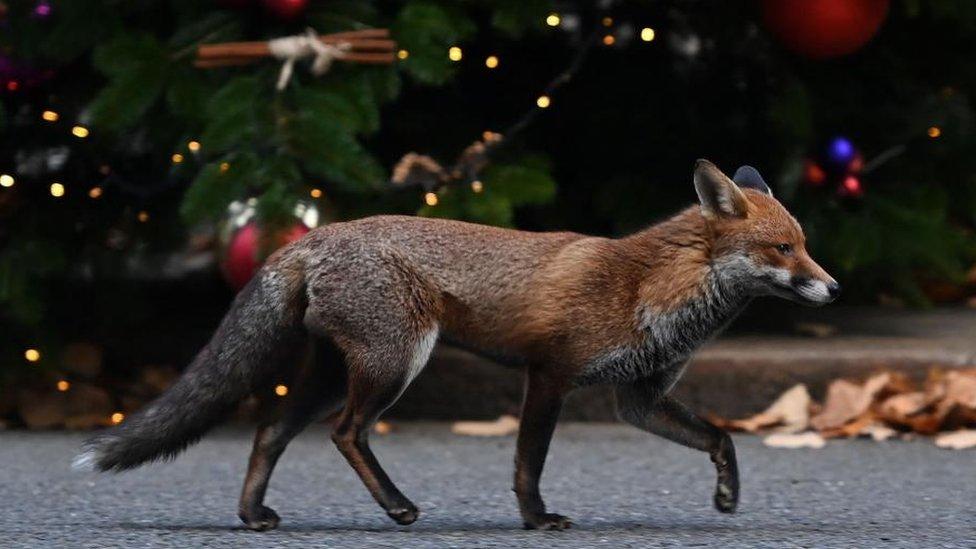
(808, 439)
(898, 408)
(847, 401)
(957, 440)
(852, 428)
(504, 425)
(815, 329)
(879, 432)
(790, 413)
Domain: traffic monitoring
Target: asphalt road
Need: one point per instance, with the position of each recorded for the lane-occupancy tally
(621, 487)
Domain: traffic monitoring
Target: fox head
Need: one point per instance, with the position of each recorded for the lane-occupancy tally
(756, 242)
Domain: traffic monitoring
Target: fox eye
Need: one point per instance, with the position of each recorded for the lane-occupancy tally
(785, 249)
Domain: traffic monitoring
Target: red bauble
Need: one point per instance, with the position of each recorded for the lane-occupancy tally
(820, 29)
(243, 255)
(285, 9)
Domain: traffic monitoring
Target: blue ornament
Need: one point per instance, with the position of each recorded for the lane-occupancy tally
(840, 152)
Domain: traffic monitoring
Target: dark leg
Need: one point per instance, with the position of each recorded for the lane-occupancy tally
(666, 417)
(319, 387)
(371, 391)
(540, 410)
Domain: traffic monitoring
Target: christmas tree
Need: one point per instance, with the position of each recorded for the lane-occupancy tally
(129, 162)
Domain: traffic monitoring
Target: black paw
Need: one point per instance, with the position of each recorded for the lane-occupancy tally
(547, 521)
(260, 519)
(404, 515)
(726, 498)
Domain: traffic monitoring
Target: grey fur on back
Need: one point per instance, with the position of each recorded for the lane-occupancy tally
(238, 355)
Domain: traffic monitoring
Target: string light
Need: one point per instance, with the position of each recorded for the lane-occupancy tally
(63, 385)
(543, 101)
(80, 131)
(430, 199)
(403, 54)
(934, 132)
(281, 390)
(50, 116)
(647, 34)
(143, 216)
(607, 21)
(477, 186)
(491, 62)
(177, 158)
(6, 180)
(32, 355)
(117, 418)
(194, 146)
(57, 190)
(315, 193)
(94, 192)
(454, 54)
(104, 169)
(13, 85)
(224, 166)
(553, 20)
(608, 40)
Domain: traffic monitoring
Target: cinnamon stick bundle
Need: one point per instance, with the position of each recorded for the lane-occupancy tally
(369, 46)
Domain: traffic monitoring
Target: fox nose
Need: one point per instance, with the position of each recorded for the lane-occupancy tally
(833, 288)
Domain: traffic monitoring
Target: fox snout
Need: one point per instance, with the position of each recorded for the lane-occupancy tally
(815, 290)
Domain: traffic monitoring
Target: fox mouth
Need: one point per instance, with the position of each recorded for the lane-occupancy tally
(809, 292)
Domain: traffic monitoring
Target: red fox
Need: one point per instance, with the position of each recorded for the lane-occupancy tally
(369, 299)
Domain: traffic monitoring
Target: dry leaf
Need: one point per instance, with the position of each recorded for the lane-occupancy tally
(808, 439)
(815, 329)
(957, 440)
(847, 401)
(853, 428)
(898, 408)
(504, 425)
(879, 432)
(790, 413)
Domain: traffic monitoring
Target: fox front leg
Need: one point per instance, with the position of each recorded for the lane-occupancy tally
(540, 410)
(641, 405)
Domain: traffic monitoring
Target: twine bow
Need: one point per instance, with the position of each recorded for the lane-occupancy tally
(293, 48)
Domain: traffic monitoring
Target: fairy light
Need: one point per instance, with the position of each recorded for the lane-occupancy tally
(177, 158)
(50, 116)
(224, 166)
(57, 190)
(553, 20)
(79, 131)
(6, 180)
(32, 355)
(607, 21)
(143, 216)
(491, 62)
(94, 192)
(194, 146)
(454, 54)
(647, 34)
(403, 54)
(315, 193)
(13, 85)
(104, 169)
(608, 40)
(430, 199)
(934, 132)
(117, 418)
(543, 101)
(281, 390)
(63, 385)
(477, 186)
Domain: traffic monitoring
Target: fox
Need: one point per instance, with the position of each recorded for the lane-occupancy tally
(355, 309)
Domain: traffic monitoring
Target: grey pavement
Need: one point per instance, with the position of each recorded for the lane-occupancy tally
(622, 488)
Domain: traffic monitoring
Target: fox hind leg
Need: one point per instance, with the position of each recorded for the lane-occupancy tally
(317, 390)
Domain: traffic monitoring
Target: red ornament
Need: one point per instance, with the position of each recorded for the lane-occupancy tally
(243, 254)
(285, 10)
(821, 29)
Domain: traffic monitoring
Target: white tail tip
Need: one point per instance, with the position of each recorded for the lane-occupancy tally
(85, 461)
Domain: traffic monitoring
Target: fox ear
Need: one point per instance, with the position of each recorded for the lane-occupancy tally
(719, 196)
(747, 177)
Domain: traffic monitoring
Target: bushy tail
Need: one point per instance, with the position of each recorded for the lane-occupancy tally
(251, 339)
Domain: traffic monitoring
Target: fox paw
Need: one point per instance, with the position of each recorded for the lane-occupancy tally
(404, 515)
(260, 519)
(726, 498)
(547, 521)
